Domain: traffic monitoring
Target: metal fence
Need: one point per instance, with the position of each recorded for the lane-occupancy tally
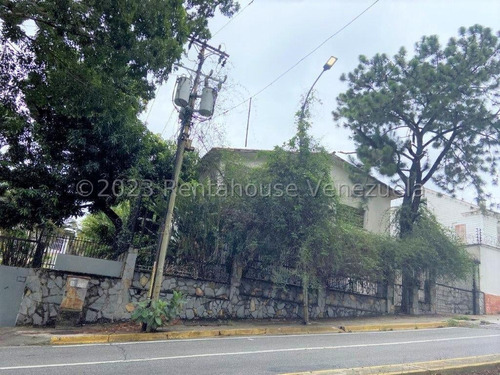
(217, 270)
(354, 286)
(42, 253)
(257, 271)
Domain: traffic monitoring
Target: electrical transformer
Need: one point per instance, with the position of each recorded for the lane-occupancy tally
(207, 102)
(183, 91)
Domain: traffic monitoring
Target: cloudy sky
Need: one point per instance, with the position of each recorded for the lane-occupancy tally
(268, 37)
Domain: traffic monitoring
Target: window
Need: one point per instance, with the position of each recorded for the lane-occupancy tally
(461, 232)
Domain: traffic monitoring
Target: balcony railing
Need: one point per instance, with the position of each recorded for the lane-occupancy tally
(480, 238)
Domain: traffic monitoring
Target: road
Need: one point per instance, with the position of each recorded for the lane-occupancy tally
(253, 354)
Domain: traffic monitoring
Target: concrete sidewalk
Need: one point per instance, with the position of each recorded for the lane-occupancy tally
(121, 332)
(455, 366)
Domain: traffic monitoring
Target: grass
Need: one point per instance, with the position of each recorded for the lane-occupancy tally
(452, 323)
(461, 317)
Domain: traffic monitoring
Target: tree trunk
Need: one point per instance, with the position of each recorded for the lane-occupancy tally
(407, 291)
(408, 215)
(39, 250)
(125, 239)
(117, 223)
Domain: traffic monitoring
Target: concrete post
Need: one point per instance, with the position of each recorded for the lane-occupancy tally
(129, 266)
(432, 299)
(321, 302)
(389, 297)
(234, 288)
(125, 306)
(414, 308)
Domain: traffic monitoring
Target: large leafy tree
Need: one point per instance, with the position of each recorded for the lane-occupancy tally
(433, 116)
(74, 76)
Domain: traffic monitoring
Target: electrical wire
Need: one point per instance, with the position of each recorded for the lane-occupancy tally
(152, 105)
(302, 59)
(233, 18)
(168, 121)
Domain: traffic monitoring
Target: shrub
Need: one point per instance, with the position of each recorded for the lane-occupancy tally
(154, 314)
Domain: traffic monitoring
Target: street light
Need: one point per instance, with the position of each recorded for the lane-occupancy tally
(302, 128)
(332, 60)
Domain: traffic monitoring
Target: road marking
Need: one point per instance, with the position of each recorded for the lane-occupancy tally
(241, 353)
(253, 337)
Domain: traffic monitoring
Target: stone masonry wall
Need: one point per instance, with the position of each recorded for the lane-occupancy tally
(451, 300)
(44, 292)
(256, 299)
(105, 300)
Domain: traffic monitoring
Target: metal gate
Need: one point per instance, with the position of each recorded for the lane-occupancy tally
(12, 282)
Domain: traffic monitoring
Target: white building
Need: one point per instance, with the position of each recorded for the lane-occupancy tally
(368, 202)
(480, 230)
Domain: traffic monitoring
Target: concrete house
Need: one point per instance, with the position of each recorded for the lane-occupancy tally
(480, 231)
(368, 203)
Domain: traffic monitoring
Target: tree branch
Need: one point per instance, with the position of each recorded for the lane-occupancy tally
(440, 158)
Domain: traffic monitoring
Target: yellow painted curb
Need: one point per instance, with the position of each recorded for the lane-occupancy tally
(313, 329)
(394, 326)
(123, 337)
(442, 367)
(78, 339)
(126, 337)
(286, 330)
(192, 334)
(242, 332)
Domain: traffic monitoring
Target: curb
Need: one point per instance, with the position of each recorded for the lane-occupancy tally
(293, 330)
(454, 366)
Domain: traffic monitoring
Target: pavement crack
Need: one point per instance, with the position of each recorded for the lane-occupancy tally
(123, 351)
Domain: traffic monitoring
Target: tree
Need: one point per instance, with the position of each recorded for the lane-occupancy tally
(141, 201)
(97, 227)
(297, 228)
(71, 93)
(431, 117)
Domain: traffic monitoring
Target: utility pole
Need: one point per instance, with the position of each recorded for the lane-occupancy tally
(183, 144)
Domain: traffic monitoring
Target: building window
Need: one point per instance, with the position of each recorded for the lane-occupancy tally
(461, 232)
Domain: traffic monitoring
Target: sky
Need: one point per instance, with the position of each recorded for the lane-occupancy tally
(268, 37)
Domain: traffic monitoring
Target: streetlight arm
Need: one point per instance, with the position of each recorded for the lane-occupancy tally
(302, 111)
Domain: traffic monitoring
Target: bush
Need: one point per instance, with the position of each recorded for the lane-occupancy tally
(156, 314)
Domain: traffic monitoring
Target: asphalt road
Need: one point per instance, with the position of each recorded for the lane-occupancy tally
(253, 354)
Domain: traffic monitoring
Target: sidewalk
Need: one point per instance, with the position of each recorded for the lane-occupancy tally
(122, 332)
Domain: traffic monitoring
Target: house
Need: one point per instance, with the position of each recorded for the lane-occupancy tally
(368, 202)
(479, 229)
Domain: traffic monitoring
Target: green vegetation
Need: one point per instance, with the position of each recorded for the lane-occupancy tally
(305, 234)
(155, 314)
(430, 117)
(71, 91)
(461, 317)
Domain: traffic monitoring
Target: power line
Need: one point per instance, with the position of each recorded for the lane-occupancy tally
(152, 105)
(233, 18)
(302, 59)
(168, 121)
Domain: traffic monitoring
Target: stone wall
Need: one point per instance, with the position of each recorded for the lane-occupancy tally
(452, 300)
(256, 299)
(44, 292)
(112, 299)
(108, 300)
